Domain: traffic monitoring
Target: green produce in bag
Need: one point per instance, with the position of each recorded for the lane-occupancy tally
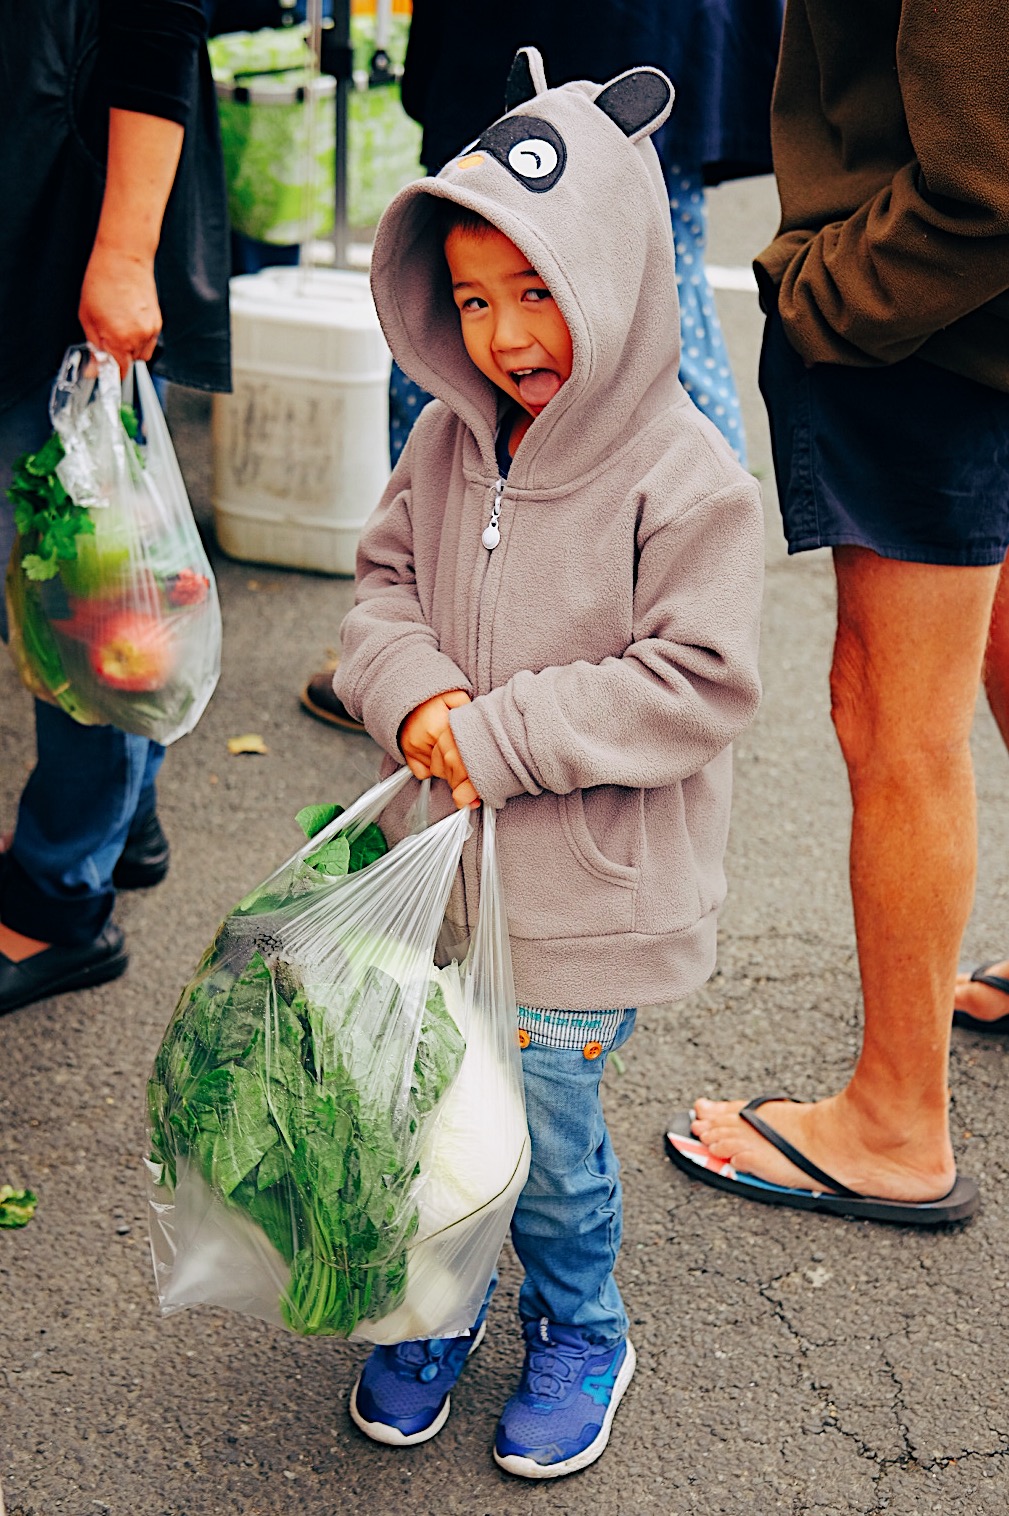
(111, 600)
(337, 1126)
(278, 132)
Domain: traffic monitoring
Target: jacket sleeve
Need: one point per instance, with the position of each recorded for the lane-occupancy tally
(390, 661)
(932, 245)
(149, 55)
(686, 686)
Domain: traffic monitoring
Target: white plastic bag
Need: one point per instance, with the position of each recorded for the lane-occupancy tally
(338, 1132)
(112, 604)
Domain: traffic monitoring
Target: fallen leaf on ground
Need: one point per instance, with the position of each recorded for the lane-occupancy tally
(17, 1207)
(251, 742)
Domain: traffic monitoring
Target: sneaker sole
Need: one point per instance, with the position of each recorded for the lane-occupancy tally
(528, 1468)
(381, 1431)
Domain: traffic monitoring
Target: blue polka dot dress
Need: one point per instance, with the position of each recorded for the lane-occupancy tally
(704, 361)
(405, 401)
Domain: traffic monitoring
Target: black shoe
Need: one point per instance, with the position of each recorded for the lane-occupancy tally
(144, 859)
(56, 970)
(320, 699)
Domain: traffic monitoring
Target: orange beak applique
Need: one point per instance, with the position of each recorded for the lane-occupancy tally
(471, 160)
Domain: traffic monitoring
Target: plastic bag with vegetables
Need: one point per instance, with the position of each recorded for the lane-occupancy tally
(111, 601)
(337, 1125)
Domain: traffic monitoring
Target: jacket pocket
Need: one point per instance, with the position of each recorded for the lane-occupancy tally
(559, 884)
(604, 829)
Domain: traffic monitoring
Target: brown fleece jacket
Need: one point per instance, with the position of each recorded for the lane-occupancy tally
(890, 132)
(609, 640)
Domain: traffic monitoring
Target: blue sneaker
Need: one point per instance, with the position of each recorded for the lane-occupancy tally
(558, 1420)
(402, 1394)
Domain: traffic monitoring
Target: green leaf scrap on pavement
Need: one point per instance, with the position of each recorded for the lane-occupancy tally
(258, 1086)
(17, 1207)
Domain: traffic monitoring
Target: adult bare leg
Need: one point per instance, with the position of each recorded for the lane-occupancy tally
(981, 1000)
(907, 662)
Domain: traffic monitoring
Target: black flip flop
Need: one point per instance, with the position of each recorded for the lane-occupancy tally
(975, 1023)
(690, 1155)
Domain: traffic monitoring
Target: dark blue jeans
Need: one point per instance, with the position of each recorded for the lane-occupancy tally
(89, 784)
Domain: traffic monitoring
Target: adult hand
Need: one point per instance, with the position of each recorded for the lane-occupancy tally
(423, 727)
(119, 308)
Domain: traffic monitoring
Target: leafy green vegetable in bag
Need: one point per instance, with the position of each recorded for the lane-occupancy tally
(258, 1083)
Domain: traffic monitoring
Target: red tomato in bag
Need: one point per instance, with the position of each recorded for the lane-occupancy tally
(132, 651)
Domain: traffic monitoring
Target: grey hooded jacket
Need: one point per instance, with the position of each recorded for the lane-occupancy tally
(609, 642)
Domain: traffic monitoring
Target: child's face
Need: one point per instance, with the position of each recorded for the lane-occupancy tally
(511, 326)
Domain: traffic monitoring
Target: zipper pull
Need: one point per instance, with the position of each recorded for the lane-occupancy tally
(491, 536)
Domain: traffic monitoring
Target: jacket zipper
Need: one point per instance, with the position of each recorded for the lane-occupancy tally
(491, 535)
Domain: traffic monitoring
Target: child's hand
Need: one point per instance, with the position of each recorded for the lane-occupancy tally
(422, 729)
(447, 764)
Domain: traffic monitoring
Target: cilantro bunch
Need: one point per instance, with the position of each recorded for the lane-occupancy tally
(260, 1087)
(47, 519)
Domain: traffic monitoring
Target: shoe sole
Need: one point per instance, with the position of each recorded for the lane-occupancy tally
(82, 979)
(346, 724)
(528, 1468)
(380, 1431)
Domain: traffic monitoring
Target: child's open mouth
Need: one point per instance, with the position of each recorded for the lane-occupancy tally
(536, 386)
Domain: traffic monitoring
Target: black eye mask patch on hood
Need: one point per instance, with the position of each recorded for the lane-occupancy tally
(529, 148)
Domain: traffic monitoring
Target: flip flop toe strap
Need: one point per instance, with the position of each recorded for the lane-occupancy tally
(749, 1115)
(994, 981)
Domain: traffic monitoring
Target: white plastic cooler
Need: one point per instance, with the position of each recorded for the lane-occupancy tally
(301, 446)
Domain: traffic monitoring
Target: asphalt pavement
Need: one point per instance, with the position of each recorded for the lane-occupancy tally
(786, 1363)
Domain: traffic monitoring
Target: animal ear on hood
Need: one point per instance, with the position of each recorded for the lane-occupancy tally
(638, 101)
(526, 78)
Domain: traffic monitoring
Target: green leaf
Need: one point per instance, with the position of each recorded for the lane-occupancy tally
(275, 1209)
(46, 460)
(245, 1008)
(367, 847)
(272, 1168)
(332, 859)
(439, 1053)
(312, 818)
(246, 1134)
(24, 513)
(37, 569)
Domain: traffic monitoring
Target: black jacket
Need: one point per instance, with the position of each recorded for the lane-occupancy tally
(63, 64)
(720, 55)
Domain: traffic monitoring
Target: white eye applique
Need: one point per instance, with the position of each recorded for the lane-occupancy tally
(533, 158)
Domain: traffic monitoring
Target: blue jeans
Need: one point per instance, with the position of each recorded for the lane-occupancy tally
(89, 784)
(569, 1218)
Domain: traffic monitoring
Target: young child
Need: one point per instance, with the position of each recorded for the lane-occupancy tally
(557, 613)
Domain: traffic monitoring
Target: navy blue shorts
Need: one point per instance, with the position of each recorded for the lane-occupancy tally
(909, 460)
